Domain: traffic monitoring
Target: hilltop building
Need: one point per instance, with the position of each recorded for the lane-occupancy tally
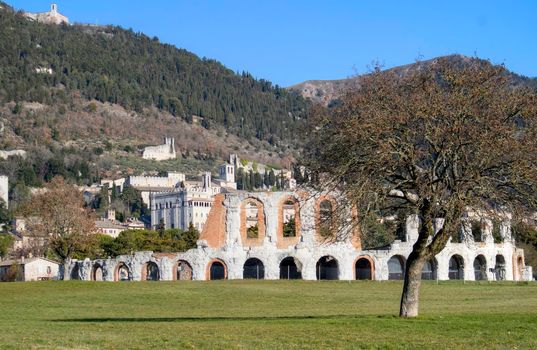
(51, 17)
(161, 152)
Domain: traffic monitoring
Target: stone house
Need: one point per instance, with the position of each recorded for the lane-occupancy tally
(32, 269)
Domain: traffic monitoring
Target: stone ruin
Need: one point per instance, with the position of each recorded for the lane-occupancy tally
(278, 235)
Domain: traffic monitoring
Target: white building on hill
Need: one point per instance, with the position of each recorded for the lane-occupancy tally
(51, 17)
(161, 152)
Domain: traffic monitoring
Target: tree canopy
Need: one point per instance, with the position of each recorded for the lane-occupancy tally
(433, 142)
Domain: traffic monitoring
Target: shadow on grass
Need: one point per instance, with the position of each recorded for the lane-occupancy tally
(216, 318)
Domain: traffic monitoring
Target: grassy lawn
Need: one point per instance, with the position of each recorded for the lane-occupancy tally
(263, 314)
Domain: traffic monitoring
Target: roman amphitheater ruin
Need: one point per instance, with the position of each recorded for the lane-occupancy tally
(279, 235)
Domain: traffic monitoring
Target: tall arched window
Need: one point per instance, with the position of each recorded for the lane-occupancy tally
(396, 268)
(326, 219)
(480, 268)
(289, 219)
(252, 222)
(456, 268)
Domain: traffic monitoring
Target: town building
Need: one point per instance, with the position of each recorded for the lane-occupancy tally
(50, 17)
(186, 204)
(32, 269)
(161, 152)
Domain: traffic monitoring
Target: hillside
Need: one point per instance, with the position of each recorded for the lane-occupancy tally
(328, 91)
(92, 97)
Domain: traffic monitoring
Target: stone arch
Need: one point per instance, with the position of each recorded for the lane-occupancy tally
(216, 270)
(519, 266)
(150, 271)
(122, 272)
(456, 267)
(364, 268)
(75, 272)
(430, 270)
(499, 268)
(252, 222)
(97, 272)
(327, 268)
(289, 224)
(182, 271)
(325, 217)
(253, 269)
(480, 268)
(290, 269)
(396, 267)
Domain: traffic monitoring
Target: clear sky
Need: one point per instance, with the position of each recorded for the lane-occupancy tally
(289, 41)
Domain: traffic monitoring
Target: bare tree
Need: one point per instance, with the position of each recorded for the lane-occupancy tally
(61, 221)
(433, 142)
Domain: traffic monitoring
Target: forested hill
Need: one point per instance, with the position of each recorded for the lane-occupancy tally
(110, 64)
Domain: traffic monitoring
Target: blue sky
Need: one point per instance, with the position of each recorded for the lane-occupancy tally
(289, 41)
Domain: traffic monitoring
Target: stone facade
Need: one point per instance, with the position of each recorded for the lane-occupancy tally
(227, 249)
(51, 17)
(14, 153)
(4, 189)
(161, 152)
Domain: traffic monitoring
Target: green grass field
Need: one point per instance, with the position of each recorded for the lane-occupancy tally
(264, 314)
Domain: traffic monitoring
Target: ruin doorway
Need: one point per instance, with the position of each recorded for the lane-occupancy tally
(456, 268)
(97, 273)
(396, 268)
(289, 269)
(499, 268)
(183, 272)
(122, 273)
(480, 268)
(151, 272)
(520, 268)
(217, 271)
(362, 269)
(253, 269)
(429, 270)
(327, 268)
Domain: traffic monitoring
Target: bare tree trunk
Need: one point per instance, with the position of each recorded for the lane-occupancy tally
(64, 270)
(411, 287)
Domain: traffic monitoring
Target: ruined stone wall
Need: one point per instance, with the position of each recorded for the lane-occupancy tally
(223, 240)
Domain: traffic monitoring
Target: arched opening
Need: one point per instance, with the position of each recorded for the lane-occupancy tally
(520, 268)
(456, 268)
(480, 268)
(326, 219)
(75, 272)
(252, 218)
(500, 268)
(476, 227)
(183, 272)
(217, 270)
(289, 269)
(327, 268)
(252, 222)
(363, 269)
(396, 268)
(97, 273)
(289, 218)
(122, 273)
(150, 272)
(253, 269)
(429, 270)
